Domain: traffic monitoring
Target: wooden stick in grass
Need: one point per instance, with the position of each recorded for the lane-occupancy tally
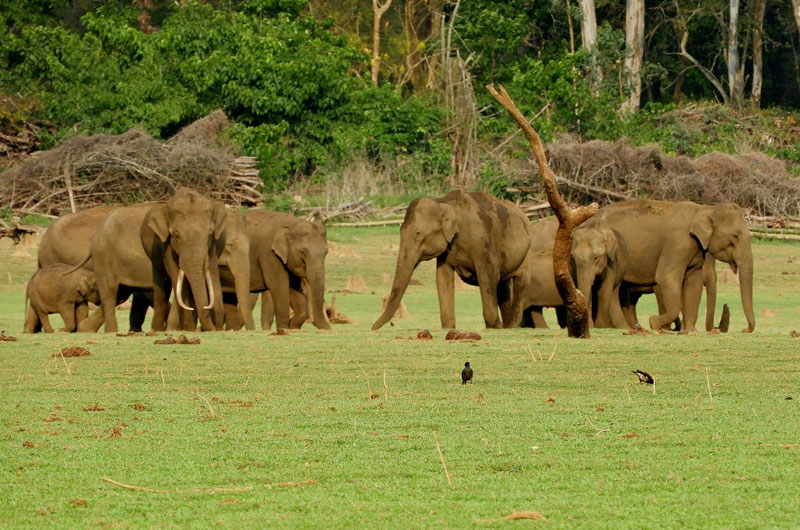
(210, 408)
(568, 221)
(369, 388)
(199, 490)
(385, 388)
(554, 352)
(708, 382)
(530, 352)
(628, 392)
(441, 457)
(65, 362)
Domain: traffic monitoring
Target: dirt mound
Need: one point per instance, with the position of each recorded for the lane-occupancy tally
(85, 171)
(609, 171)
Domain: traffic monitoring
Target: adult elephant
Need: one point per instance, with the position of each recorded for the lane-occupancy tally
(284, 251)
(182, 239)
(68, 241)
(120, 262)
(598, 262)
(234, 269)
(667, 243)
(480, 238)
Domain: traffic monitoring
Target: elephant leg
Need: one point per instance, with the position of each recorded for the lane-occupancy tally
(108, 302)
(93, 322)
(32, 323)
(538, 318)
(162, 285)
(139, 306)
(692, 291)
(67, 312)
(267, 310)
(299, 304)
(174, 318)
(505, 299)
(445, 287)
(618, 319)
(671, 287)
(233, 319)
(561, 315)
(280, 299)
(81, 312)
(605, 295)
(628, 301)
(44, 318)
(513, 313)
(487, 283)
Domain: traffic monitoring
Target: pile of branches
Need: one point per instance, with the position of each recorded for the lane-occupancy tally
(606, 172)
(19, 136)
(86, 171)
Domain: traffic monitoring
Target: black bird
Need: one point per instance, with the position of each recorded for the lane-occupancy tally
(466, 373)
(644, 377)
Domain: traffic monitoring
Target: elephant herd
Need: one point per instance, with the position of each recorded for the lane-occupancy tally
(625, 250)
(213, 259)
(190, 245)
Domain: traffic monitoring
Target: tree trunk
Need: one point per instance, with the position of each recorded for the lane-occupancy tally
(571, 30)
(735, 75)
(568, 221)
(634, 45)
(589, 37)
(796, 13)
(758, 52)
(377, 13)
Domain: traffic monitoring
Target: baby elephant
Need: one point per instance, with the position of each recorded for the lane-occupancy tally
(51, 291)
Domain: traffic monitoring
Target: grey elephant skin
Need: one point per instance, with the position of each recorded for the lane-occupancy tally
(480, 238)
(59, 289)
(68, 241)
(285, 251)
(667, 243)
(182, 239)
(534, 285)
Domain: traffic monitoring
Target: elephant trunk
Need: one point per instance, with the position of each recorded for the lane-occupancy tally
(202, 289)
(710, 281)
(316, 284)
(744, 262)
(406, 263)
(585, 282)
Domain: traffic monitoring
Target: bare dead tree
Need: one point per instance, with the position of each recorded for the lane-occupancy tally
(378, 11)
(568, 221)
(758, 52)
(634, 44)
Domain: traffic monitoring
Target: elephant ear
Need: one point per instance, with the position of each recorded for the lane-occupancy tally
(280, 245)
(610, 241)
(220, 213)
(449, 222)
(158, 221)
(702, 228)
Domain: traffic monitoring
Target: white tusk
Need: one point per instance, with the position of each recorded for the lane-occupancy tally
(178, 293)
(210, 286)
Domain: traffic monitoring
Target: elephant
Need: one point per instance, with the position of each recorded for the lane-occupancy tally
(482, 239)
(630, 294)
(534, 284)
(598, 262)
(68, 241)
(59, 289)
(121, 264)
(234, 268)
(667, 243)
(284, 251)
(182, 239)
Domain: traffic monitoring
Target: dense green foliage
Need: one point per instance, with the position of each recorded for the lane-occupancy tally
(294, 75)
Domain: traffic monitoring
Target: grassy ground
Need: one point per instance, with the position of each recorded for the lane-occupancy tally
(305, 424)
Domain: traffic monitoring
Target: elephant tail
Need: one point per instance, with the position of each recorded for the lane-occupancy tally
(83, 262)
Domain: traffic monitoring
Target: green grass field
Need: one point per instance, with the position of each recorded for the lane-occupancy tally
(304, 432)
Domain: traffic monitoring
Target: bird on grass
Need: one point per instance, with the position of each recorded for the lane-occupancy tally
(644, 377)
(466, 373)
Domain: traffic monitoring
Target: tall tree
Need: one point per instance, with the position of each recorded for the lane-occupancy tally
(378, 11)
(634, 47)
(735, 71)
(796, 12)
(758, 52)
(589, 36)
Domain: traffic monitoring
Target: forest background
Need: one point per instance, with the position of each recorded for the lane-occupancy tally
(386, 97)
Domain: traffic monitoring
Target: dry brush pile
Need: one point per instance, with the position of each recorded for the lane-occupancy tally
(86, 171)
(604, 171)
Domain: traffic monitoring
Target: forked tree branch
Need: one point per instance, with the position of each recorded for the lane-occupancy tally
(568, 220)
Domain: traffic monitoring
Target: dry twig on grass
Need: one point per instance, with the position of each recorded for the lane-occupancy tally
(211, 412)
(514, 516)
(441, 457)
(198, 490)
